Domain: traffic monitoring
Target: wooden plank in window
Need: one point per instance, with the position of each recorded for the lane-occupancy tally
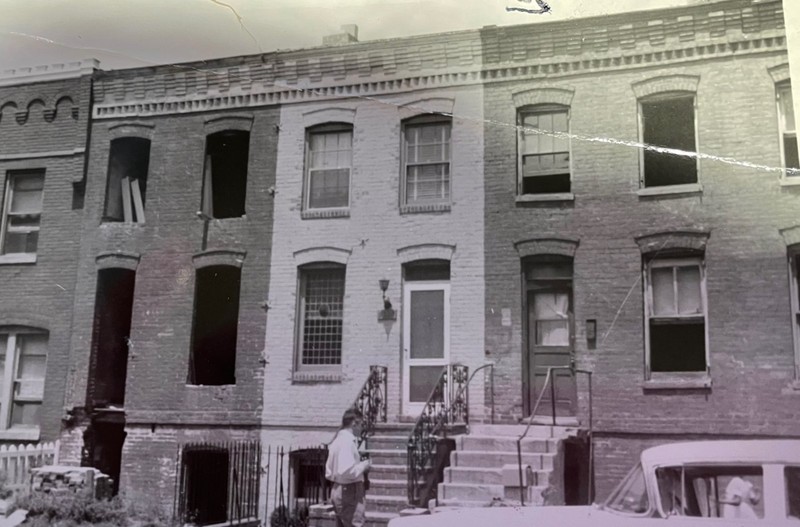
(127, 213)
(137, 200)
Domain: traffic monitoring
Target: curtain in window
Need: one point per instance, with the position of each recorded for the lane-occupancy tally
(552, 319)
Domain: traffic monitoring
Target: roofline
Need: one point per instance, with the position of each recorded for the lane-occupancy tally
(50, 72)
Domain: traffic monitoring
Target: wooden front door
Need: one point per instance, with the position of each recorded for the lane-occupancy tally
(550, 337)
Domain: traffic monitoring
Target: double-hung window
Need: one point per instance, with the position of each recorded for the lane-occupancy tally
(791, 159)
(320, 317)
(329, 161)
(668, 122)
(22, 211)
(23, 362)
(675, 308)
(543, 145)
(794, 284)
(426, 161)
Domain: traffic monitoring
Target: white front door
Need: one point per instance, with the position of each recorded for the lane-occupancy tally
(426, 340)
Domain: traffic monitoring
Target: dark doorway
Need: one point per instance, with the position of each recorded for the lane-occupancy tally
(206, 476)
(103, 443)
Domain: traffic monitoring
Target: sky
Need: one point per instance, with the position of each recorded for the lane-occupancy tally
(131, 33)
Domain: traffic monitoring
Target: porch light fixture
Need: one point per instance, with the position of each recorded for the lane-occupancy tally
(387, 313)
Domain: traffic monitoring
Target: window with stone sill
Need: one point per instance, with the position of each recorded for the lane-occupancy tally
(320, 317)
(668, 121)
(788, 131)
(426, 161)
(23, 365)
(329, 161)
(543, 149)
(22, 211)
(676, 333)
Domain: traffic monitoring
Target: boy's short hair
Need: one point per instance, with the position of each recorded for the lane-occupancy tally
(351, 415)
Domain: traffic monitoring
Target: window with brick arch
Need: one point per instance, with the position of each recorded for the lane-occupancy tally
(676, 314)
(225, 174)
(788, 131)
(126, 190)
(329, 161)
(667, 121)
(23, 365)
(426, 160)
(544, 149)
(320, 317)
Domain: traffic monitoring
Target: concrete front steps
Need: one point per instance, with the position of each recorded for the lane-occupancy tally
(475, 475)
(388, 477)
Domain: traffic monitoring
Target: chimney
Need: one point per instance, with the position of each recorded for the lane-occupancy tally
(349, 35)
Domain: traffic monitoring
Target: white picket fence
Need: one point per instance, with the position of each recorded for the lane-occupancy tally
(16, 461)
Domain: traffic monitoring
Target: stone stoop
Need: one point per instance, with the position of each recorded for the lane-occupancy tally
(388, 477)
(475, 475)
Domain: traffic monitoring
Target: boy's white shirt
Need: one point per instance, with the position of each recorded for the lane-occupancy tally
(344, 463)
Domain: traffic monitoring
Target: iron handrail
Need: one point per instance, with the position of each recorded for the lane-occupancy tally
(549, 378)
(465, 388)
(371, 401)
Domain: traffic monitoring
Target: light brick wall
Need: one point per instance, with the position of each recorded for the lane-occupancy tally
(373, 234)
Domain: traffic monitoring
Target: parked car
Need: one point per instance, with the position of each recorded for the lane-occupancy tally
(695, 484)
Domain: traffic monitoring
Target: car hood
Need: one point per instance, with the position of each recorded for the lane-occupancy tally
(505, 517)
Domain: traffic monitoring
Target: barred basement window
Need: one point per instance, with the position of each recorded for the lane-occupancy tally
(675, 306)
(320, 316)
(126, 190)
(215, 328)
(22, 212)
(225, 174)
(308, 467)
(668, 121)
(329, 159)
(426, 160)
(543, 150)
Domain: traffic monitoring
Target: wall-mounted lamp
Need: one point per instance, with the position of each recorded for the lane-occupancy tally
(387, 313)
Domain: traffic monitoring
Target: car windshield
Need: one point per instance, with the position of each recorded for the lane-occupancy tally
(630, 497)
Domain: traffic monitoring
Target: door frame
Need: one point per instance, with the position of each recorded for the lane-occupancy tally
(410, 408)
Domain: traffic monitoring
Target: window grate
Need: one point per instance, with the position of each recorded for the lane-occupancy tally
(322, 316)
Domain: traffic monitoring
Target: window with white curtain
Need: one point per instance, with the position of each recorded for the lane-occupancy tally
(23, 363)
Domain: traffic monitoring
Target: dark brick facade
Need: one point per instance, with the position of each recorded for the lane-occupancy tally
(733, 49)
(44, 122)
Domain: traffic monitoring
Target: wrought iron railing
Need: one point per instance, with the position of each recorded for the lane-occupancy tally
(447, 406)
(549, 383)
(371, 401)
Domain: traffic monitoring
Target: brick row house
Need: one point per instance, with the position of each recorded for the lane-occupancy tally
(44, 125)
(251, 235)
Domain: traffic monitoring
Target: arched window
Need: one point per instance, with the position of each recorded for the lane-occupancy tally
(225, 174)
(128, 164)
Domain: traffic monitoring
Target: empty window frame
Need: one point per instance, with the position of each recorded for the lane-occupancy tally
(794, 289)
(215, 326)
(675, 307)
(788, 130)
(426, 161)
(22, 212)
(225, 174)
(544, 149)
(23, 364)
(668, 121)
(320, 316)
(731, 492)
(128, 164)
(329, 160)
(111, 336)
(792, 480)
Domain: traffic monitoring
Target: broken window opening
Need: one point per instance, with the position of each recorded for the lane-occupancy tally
(225, 174)
(219, 483)
(111, 337)
(215, 326)
(128, 164)
(321, 314)
(544, 159)
(791, 158)
(669, 122)
(22, 212)
(676, 310)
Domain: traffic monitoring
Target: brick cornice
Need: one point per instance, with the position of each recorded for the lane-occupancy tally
(672, 36)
